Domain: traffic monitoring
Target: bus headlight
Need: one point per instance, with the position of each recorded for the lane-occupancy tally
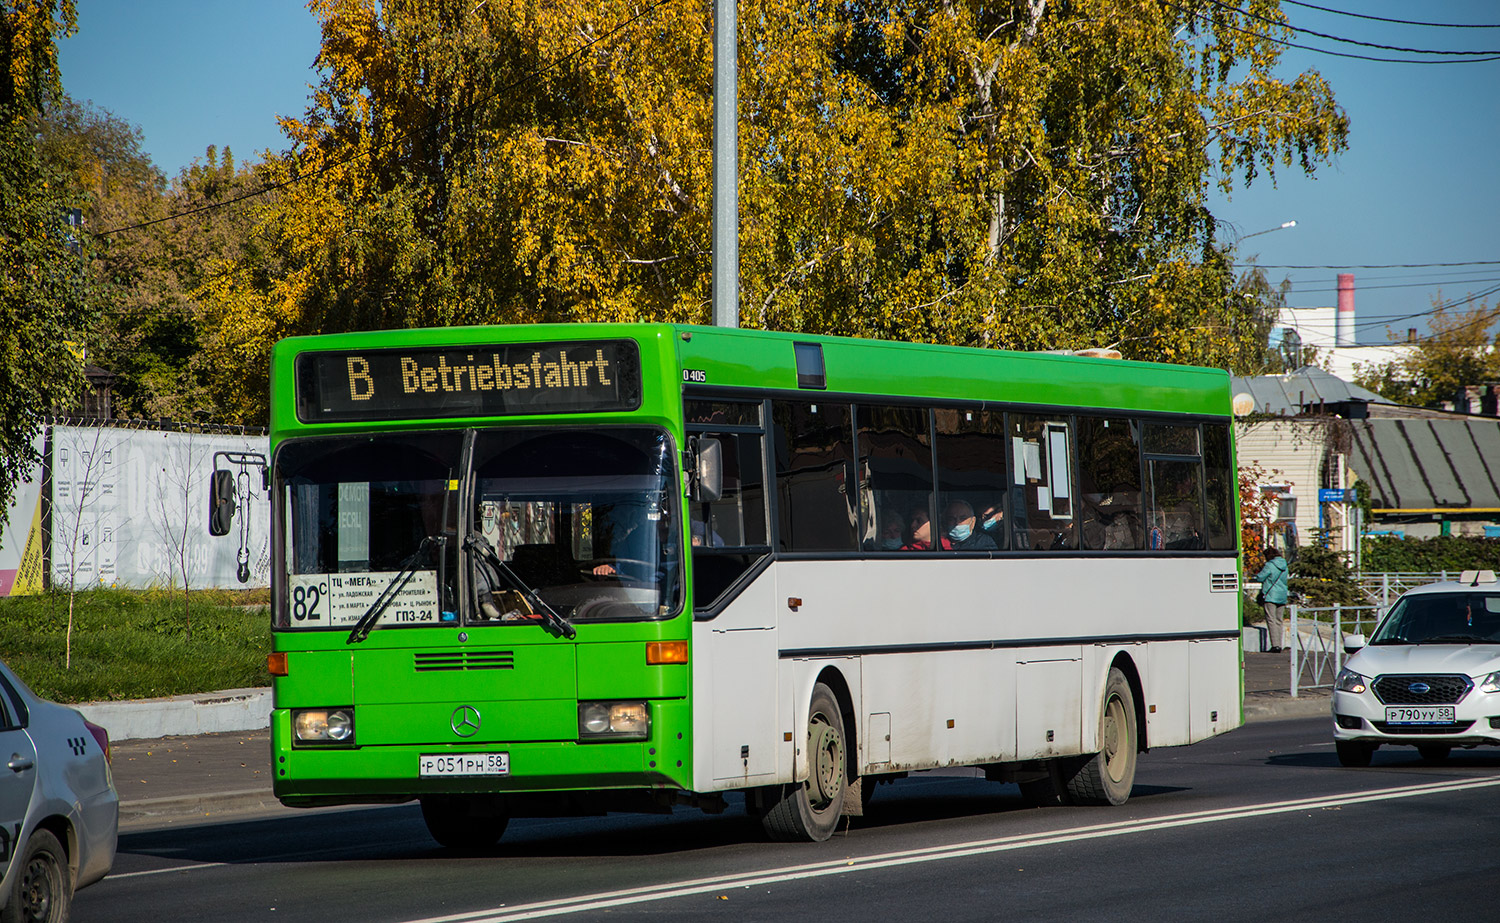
(1349, 681)
(613, 721)
(330, 726)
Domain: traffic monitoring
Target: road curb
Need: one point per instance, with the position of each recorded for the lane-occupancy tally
(1273, 706)
(150, 811)
(183, 715)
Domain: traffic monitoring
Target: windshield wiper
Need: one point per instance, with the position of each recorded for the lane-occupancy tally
(398, 583)
(1451, 639)
(479, 545)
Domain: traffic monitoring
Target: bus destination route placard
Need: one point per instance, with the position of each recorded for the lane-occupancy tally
(477, 381)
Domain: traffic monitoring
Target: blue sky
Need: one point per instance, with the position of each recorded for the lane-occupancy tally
(1419, 183)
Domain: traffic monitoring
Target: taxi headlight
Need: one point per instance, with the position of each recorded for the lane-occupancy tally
(1349, 681)
(613, 721)
(1491, 683)
(329, 726)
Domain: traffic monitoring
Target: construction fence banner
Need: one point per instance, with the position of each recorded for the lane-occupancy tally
(129, 508)
(21, 541)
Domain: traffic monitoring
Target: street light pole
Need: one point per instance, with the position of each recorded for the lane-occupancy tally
(726, 224)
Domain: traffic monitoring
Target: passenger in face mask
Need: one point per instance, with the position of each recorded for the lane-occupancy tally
(892, 533)
(958, 526)
(920, 533)
(992, 520)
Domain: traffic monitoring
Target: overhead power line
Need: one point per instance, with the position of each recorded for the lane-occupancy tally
(399, 136)
(1204, 17)
(1399, 22)
(1374, 265)
(1347, 41)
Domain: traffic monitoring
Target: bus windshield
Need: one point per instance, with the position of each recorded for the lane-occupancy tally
(585, 520)
(362, 515)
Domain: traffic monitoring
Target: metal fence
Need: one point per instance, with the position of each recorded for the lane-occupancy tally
(1382, 589)
(1316, 649)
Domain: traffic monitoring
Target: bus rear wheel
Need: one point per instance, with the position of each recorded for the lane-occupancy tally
(809, 811)
(464, 822)
(1106, 777)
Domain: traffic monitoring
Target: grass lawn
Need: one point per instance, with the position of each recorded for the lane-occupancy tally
(133, 644)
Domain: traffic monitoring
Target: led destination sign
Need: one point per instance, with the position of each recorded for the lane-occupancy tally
(477, 381)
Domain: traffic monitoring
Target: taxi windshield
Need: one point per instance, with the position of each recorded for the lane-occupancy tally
(1442, 618)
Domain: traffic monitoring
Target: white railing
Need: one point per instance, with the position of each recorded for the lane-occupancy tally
(1382, 589)
(1316, 641)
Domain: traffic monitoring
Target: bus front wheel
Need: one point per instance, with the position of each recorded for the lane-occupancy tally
(1106, 777)
(464, 822)
(809, 811)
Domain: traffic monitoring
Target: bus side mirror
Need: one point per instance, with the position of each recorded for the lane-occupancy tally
(710, 481)
(221, 502)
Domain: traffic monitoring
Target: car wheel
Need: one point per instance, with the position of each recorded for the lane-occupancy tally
(1434, 753)
(42, 890)
(1354, 753)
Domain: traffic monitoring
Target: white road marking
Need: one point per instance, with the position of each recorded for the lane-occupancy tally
(175, 868)
(607, 899)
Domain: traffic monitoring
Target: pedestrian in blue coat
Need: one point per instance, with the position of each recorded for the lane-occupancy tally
(1272, 579)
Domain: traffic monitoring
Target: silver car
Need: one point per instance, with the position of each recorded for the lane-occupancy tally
(1429, 677)
(59, 812)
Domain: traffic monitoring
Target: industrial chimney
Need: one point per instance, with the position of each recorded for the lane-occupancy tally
(1343, 325)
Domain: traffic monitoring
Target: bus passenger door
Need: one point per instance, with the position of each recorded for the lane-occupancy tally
(736, 664)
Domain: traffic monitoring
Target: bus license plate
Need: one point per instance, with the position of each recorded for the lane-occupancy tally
(444, 765)
(1420, 714)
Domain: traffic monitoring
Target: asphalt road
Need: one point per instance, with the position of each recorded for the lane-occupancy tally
(1260, 824)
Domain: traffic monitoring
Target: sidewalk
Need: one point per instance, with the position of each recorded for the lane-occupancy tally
(211, 776)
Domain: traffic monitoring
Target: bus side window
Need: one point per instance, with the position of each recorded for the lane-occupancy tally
(1109, 484)
(895, 475)
(971, 456)
(738, 517)
(814, 460)
(1174, 476)
(1042, 478)
(1219, 483)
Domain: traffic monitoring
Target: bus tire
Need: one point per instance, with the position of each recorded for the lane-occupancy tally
(809, 811)
(41, 889)
(1106, 777)
(463, 822)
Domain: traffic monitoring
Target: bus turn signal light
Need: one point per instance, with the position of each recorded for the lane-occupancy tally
(666, 652)
(276, 663)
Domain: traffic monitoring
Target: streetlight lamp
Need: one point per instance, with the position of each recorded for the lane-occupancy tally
(1281, 227)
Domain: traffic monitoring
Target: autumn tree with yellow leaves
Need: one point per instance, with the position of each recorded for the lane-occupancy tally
(44, 299)
(1027, 174)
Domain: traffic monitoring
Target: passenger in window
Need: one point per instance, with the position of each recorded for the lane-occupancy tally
(892, 532)
(700, 529)
(959, 528)
(919, 533)
(992, 520)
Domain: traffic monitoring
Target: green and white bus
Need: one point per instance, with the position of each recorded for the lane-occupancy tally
(561, 570)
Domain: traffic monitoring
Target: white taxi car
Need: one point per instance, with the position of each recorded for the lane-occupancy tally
(1429, 677)
(59, 812)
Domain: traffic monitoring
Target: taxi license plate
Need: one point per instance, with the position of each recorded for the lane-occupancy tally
(446, 765)
(1419, 714)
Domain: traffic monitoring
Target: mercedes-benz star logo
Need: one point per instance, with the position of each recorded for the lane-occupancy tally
(465, 721)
